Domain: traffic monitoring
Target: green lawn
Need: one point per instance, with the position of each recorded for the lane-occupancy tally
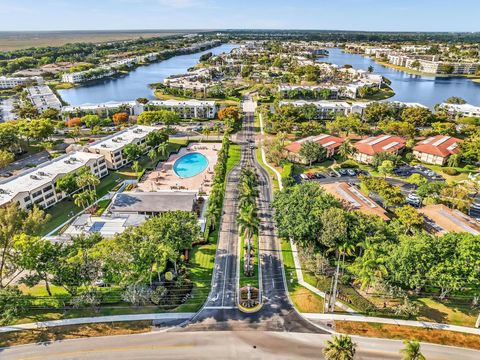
(234, 154)
(252, 280)
(273, 176)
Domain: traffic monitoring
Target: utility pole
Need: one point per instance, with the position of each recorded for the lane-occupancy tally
(333, 295)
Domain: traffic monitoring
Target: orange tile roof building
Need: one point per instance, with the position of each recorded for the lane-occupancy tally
(367, 148)
(436, 149)
(329, 142)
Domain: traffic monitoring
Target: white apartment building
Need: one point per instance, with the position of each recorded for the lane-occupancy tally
(11, 82)
(461, 109)
(104, 109)
(325, 109)
(187, 109)
(111, 147)
(38, 185)
(43, 98)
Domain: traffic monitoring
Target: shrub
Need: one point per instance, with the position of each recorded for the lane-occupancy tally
(168, 276)
(91, 299)
(12, 304)
(409, 157)
(137, 295)
(158, 295)
(450, 171)
(348, 164)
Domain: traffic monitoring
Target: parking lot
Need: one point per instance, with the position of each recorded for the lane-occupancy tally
(331, 176)
(407, 170)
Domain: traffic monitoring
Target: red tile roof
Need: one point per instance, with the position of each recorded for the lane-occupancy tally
(439, 145)
(329, 142)
(381, 143)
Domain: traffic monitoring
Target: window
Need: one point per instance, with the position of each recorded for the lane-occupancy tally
(49, 187)
(49, 195)
(37, 194)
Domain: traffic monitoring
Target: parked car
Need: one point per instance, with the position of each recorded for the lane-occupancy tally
(351, 172)
(304, 177)
(342, 172)
(414, 200)
(319, 175)
(332, 174)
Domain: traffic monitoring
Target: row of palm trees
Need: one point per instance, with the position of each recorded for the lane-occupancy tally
(248, 214)
(343, 348)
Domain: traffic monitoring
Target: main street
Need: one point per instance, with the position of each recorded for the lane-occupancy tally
(220, 311)
(219, 345)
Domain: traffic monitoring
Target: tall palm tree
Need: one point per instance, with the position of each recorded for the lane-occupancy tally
(411, 351)
(453, 160)
(163, 149)
(85, 198)
(339, 348)
(249, 223)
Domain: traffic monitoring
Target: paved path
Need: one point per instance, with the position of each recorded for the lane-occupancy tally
(97, 319)
(225, 345)
(360, 318)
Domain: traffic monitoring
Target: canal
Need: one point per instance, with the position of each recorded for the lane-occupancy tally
(135, 84)
(428, 90)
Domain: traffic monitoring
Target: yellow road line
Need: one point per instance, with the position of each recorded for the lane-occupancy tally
(127, 348)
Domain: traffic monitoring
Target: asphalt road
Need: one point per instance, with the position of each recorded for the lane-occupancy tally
(219, 345)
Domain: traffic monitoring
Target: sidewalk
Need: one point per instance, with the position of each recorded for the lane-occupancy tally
(371, 319)
(96, 319)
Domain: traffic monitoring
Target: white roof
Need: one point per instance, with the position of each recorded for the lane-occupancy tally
(462, 107)
(319, 104)
(43, 174)
(107, 105)
(120, 139)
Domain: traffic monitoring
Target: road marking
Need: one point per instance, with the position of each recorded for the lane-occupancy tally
(126, 348)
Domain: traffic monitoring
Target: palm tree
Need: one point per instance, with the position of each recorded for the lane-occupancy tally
(152, 154)
(346, 149)
(369, 267)
(249, 223)
(411, 351)
(339, 348)
(85, 198)
(136, 167)
(87, 178)
(163, 149)
(453, 160)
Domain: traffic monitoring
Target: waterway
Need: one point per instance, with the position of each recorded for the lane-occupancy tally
(135, 84)
(427, 90)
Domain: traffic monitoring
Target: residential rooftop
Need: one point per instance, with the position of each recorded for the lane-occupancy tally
(118, 140)
(43, 174)
(153, 202)
(438, 145)
(449, 220)
(381, 143)
(327, 141)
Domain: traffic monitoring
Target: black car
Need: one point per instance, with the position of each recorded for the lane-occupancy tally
(319, 175)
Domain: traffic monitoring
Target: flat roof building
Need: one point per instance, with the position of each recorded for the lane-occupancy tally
(43, 98)
(354, 199)
(461, 109)
(367, 148)
(111, 147)
(38, 185)
(11, 82)
(436, 149)
(448, 220)
(153, 203)
(187, 109)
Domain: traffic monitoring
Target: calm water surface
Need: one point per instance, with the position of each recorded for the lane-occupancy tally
(428, 90)
(135, 84)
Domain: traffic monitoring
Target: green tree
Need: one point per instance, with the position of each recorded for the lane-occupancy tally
(341, 347)
(346, 149)
(67, 183)
(411, 351)
(38, 258)
(15, 221)
(312, 151)
(417, 116)
(386, 168)
(6, 157)
(136, 167)
(453, 160)
(409, 218)
(164, 116)
(156, 138)
(85, 198)
(85, 178)
(132, 152)
(13, 304)
(91, 121)
(455, 100)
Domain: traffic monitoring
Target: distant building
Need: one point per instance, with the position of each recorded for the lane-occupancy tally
(367, 148)
(436, 149)
(38, 185)
(187, 109)
(461, 109)
(43, 98)
(329, 142)
(11, 82)
(111, 147)
(103, 109)
(325, 109)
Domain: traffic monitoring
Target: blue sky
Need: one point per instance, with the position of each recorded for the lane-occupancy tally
(385, 15)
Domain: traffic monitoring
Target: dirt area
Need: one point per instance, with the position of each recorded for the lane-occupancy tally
(409, 332)
(164, 178)
(73, 332)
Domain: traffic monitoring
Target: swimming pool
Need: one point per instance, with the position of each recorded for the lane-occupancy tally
(190, 165)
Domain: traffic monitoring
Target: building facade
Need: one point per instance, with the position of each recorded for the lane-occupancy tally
(436, 149)
(367, 148)
(38, 186)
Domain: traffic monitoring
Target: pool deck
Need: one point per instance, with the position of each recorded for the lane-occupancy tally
(164, 178)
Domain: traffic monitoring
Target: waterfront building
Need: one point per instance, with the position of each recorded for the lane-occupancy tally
(461, 109)
(43, 98)
(11, 82)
